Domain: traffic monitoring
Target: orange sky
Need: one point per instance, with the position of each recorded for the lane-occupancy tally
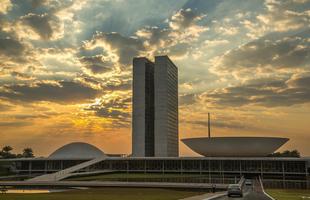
(65, 69)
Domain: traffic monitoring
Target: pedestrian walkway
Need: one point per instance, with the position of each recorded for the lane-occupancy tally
(57, 176)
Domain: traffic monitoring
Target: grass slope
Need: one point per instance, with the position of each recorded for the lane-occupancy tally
(289, 194)
(107, 194)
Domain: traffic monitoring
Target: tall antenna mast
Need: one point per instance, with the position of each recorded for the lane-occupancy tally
(209, 129)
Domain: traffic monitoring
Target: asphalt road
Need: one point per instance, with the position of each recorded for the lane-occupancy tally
(253, 192)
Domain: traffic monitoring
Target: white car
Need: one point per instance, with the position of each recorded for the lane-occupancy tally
(234, 189)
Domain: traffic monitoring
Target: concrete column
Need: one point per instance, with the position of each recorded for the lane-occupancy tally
(144, 166)
(163, 166)
(307, 176)
(283, 175)
(45, 166)
(209, 171)
(240, 168)
(261, 169)
(30, 167)
(181, 167)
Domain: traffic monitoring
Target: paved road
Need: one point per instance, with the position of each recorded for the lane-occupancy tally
(249, 193)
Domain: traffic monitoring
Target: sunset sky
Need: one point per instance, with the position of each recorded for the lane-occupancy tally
(66, 69)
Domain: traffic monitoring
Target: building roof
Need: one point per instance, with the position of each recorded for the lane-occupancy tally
(77, 150)
(235, 146)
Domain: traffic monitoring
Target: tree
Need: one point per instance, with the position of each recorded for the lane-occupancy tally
(28, 153)
(294, 153)
(7, 149)
(6, 152)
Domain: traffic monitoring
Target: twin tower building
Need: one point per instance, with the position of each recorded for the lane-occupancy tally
(155, 108)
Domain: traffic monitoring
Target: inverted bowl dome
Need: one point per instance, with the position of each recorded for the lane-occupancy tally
(77, 150)
(235, 146)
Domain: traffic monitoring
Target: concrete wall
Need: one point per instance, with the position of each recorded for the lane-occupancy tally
(166, 108)
(143, 108)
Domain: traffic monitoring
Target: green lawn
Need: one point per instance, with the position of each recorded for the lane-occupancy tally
(107, 194)
(289, 194)
(111, 176)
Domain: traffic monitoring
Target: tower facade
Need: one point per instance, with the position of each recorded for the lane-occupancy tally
(155, 108)
(143, 108)
(166, 108)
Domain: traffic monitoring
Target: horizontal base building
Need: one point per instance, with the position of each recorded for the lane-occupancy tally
(275, 172)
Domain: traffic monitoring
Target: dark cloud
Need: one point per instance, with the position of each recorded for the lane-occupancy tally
(32, 116)
(115, 109)
(15, 124)
(110, 113)
(41, 24)
(187, 99)
(96, 64)
(122, 86)
(38, 3)
(284, 53)
(266, 93)
(155, 36)
(11, 47)
(286, 15)
(5, 107)
(125, 47)
(60, 92)
(227, 124)
(179, 49)
(21, 76)
(184, 18)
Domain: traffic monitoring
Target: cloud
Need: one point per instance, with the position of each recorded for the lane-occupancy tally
(21, 76)
(59, 92)
(117, 47)
(13, 51)
(263, 92)
(44, 25)
(15, 124)
(183, 29)
(286, 15)
(226, 124)
(184, 19)
(214, 43)
(11, 47)
(187, 99)
(97, 64)
(118, 86)
(227, 30)
(115, 109)
(264, 56)
(5, 107)
(5, 6)
(155, 37)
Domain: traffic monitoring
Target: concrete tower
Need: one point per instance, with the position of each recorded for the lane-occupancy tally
(166, 108)
(143, 108)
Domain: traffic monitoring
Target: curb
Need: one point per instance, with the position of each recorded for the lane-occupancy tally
(265, 193)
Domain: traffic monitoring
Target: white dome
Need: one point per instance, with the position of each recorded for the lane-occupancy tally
(77, 150)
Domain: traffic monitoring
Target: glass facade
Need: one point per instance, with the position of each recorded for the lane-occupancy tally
(275, 173)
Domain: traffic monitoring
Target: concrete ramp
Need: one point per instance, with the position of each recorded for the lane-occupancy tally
(57, 176)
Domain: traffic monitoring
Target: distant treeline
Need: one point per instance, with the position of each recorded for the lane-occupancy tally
(286, 153)
(6, 152)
